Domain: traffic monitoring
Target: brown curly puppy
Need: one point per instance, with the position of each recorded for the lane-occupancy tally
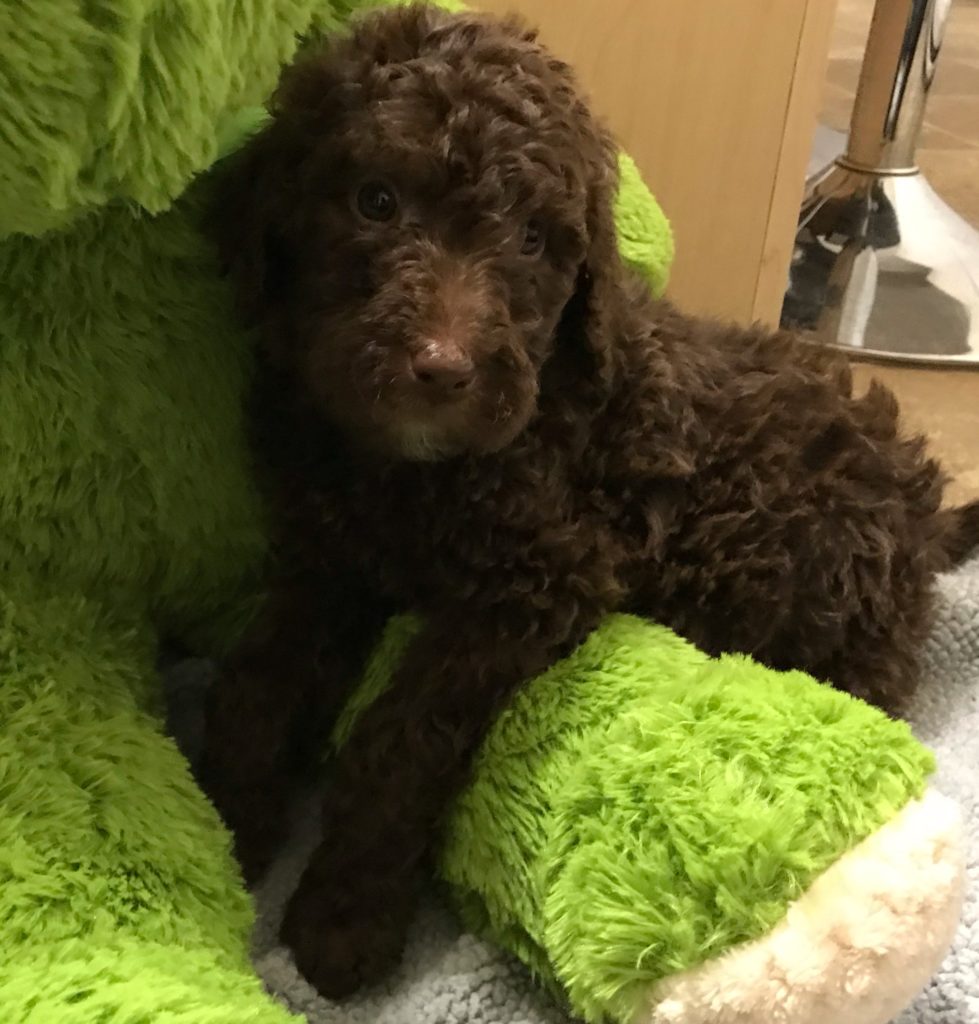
(468, 406)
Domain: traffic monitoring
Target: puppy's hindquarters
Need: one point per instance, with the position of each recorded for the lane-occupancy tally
(892, 539)
(961, 540)
(810, 539)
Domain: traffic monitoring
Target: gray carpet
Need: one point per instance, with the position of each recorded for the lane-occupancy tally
(946, 717)
(449, 977)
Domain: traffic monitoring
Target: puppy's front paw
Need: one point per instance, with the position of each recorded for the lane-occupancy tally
(342, 943)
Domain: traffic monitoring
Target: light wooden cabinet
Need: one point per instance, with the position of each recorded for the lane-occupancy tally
(717, 101)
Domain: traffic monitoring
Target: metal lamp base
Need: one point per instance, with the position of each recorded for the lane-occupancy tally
(884, 268)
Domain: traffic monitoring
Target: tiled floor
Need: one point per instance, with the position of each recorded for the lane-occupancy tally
(945, 404)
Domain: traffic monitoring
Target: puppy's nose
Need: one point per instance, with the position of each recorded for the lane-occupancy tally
(443, 367)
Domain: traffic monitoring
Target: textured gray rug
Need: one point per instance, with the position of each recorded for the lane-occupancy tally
(449, 977)
(946, 717)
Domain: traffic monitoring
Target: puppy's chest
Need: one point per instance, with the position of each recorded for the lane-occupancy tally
(423, 534)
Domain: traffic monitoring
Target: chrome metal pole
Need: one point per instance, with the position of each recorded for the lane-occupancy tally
(898, 68)
(881, 263)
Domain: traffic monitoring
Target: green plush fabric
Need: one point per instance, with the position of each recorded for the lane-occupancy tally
(119, 900)
(642, 808)
(645, 238)
(126, 506)
(125, 99)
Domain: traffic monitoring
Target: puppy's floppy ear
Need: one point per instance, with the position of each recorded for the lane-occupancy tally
(247, 220)
(588, 321)
(257, 214)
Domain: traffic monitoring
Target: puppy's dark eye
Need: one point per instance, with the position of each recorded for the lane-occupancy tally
(376, 201)
(533, 239)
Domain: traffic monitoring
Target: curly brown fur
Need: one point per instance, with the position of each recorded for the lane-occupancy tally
(468, 406)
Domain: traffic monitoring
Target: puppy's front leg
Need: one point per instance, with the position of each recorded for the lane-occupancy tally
(274, 701)
(407, 757)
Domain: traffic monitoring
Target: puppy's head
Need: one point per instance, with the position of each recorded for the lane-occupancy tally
(425, 223)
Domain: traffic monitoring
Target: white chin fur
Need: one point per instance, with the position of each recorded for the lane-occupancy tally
(423, 444)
